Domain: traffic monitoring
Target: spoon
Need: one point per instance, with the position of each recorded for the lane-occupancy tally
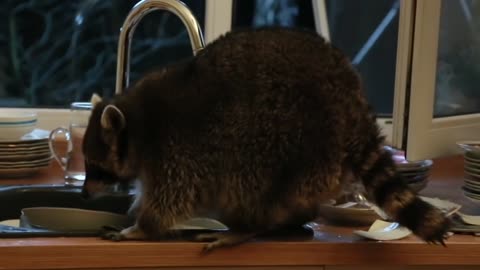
(362, 200)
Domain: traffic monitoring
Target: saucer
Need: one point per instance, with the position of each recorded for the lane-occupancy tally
(383, 231)
(347, 214)
(415, 165)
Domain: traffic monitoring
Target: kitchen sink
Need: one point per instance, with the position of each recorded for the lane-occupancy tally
(14, 198)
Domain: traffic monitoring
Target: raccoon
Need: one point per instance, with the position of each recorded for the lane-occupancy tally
(260, 126)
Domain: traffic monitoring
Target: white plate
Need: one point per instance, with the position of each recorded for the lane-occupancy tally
(25, 163)
(469, 219)
(348, 214)
(23, 142)
(471, 169)
(35, 165)
(471, 160)
(445, 206)
(198, 223)
(11, 222)
(471, 163)
(471, 194)
(469, 145)
(473, 188)
(34, 136)
(23, 146)
(472, 155)
(471, 173)
(26, 157)
(472, 181)
(383, 231)
(20, 172)
(24, 153)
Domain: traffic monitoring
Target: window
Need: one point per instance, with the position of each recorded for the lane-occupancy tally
(414, 62)
(287, 13)
(441, 106)
(54, 52)
(458, 74)
(365, 30)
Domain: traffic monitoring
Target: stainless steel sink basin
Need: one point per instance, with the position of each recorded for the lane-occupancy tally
(14, 198)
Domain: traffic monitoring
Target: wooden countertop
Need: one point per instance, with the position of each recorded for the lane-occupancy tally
(331, 245)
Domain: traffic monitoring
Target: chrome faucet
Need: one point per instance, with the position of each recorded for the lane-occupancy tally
(141, 9)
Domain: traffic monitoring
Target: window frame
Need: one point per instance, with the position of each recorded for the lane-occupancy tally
(422, 136)
(320, 16)
(217, 21)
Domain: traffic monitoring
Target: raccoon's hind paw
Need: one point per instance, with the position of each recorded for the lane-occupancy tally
(130, 233)
(435, 230)
(113, 235)
(426, 221)
(223, 239)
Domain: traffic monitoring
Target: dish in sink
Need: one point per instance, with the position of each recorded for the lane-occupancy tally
(349, 213)
(82, 220)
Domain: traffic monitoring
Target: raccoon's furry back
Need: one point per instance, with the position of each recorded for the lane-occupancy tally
(261, 125)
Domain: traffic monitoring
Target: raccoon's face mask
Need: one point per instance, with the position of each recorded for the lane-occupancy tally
(105, 149)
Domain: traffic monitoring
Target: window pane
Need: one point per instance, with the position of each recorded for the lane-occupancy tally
(53, 52)
(288, 13)
(458, 70)
(365, 30)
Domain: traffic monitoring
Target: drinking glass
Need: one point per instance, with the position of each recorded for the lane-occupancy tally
(68, 152)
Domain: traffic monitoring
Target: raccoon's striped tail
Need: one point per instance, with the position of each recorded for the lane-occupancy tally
(390, 192)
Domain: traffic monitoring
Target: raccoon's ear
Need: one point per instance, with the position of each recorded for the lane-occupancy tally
(95, 99)
(112, 118)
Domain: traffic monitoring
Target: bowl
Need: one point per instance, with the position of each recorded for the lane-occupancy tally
(347, 215)
(15, 124)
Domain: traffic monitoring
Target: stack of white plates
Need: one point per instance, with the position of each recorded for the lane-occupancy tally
(471, 168)
(25, 156)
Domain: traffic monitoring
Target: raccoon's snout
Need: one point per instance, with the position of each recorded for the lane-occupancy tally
(85, 194)
(92, 189)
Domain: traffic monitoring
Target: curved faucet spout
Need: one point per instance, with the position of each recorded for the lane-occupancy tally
(141, 9)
